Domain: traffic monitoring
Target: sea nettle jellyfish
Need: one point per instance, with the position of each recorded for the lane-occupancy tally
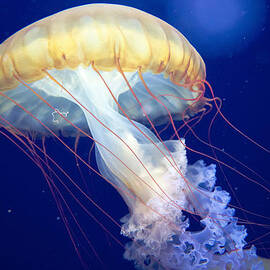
(114, 74)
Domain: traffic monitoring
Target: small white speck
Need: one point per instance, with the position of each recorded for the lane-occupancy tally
(9, 210)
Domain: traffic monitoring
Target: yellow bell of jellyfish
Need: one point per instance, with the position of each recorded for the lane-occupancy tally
(113, 73)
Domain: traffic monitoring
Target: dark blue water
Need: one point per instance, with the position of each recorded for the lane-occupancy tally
(233, 39)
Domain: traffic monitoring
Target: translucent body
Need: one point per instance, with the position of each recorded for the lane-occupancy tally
(98, 33)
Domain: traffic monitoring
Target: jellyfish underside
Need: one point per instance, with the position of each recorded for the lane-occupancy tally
(156, 223)
(153, 176)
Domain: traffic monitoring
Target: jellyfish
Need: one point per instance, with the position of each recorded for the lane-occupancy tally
(115, 74)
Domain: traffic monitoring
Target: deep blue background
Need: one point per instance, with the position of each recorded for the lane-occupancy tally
(238, 67)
